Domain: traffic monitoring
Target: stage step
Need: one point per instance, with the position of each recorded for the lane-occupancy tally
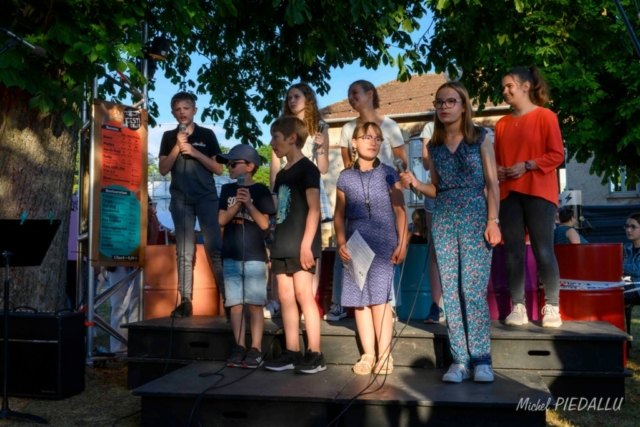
(589, 385)
(409, 396)
(153, 342)
(580, 359)
(576, 346)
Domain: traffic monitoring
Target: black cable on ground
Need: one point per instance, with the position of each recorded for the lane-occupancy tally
(196, 405)
(125, 417)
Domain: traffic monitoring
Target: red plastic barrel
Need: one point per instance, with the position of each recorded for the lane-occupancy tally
(600, 262)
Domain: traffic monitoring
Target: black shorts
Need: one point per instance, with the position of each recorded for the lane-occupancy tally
(289, 266)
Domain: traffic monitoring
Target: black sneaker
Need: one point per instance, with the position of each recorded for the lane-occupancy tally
(287, 360)
(311, 363)
(237, 356)
(183, 310)
(253, 359)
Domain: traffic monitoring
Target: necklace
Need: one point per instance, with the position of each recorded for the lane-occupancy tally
(518, 117)
(367, 202)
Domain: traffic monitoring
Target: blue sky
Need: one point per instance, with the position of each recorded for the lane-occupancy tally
(339, 80)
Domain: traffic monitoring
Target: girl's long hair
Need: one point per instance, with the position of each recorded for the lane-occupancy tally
(467, 128)
(539, 91)
(312, 114)
(419, 218)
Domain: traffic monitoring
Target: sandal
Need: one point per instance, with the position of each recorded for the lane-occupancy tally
(384, 365)
(362, 367)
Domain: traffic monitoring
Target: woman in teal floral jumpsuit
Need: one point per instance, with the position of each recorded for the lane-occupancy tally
(465, 228)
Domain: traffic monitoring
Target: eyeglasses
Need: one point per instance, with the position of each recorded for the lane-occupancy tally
(234, 164)
(369, 138)
(449, 103)
(630, 226)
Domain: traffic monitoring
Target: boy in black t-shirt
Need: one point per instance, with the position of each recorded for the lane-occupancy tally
(189, 152)
(244, 213)
(296, 246)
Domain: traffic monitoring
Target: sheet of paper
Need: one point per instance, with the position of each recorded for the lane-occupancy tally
(361, 258)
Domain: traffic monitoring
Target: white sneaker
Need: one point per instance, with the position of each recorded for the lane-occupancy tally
(483, 374)
(518, 316)
(551, 316)
(336, 313)
(456, 373)
(271, 310)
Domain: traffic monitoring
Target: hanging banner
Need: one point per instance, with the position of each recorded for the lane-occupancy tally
(119, 214)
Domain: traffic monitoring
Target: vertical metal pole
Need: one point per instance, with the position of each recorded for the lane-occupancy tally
(80, 245)
(145, 89)
(145, 63)
(90, 282)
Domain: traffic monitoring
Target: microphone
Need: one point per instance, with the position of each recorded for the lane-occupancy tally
(183, 128)
(36, 50)
(322, 125)
(398, 164)
(240, 181)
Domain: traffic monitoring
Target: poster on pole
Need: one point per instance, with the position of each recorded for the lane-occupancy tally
(119, 210)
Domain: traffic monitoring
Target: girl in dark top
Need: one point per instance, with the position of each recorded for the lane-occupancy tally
(565, 231)
(420, 232)
(631, 257)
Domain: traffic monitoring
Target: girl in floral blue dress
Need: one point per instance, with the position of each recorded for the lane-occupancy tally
(369, 196)
(465, 228)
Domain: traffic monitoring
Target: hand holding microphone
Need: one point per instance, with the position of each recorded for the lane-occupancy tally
(398, 164)
(319, 137)
(182, 129)
(242, 196)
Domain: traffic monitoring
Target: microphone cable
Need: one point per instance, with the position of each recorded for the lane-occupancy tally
(196, 406)
(180, 292)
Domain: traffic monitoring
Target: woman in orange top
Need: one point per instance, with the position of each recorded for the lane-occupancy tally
(528, 147)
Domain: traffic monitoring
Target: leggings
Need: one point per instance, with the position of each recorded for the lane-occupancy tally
(519, 213)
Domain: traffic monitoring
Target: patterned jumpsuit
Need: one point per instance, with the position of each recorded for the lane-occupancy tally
(464, 257)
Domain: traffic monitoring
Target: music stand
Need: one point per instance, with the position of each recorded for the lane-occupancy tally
(23, 243)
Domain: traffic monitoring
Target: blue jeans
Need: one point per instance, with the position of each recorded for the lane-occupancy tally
(252, 289)
(518, 213)
(184, 219)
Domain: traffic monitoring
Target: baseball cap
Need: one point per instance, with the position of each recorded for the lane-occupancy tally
(240, 152)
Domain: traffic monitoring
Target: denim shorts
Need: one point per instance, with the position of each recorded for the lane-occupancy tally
(255, 282)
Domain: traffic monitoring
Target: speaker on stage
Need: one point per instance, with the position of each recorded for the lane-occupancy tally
(46, 354)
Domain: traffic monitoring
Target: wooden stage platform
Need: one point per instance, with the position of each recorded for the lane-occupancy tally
(581, 359)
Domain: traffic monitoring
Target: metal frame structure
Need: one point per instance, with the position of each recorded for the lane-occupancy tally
(84, 238)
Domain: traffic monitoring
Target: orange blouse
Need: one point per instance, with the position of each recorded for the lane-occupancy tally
(535, 136)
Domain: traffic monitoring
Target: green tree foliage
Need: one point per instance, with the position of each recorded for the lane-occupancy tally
(262, 175)
(583, 50)
(255, 48)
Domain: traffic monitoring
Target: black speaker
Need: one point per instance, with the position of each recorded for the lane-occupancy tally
(46, 354)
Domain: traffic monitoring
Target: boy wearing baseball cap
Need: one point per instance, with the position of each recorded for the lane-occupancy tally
(245, 207)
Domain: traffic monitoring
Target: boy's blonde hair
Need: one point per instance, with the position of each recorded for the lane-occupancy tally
(288, 125)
